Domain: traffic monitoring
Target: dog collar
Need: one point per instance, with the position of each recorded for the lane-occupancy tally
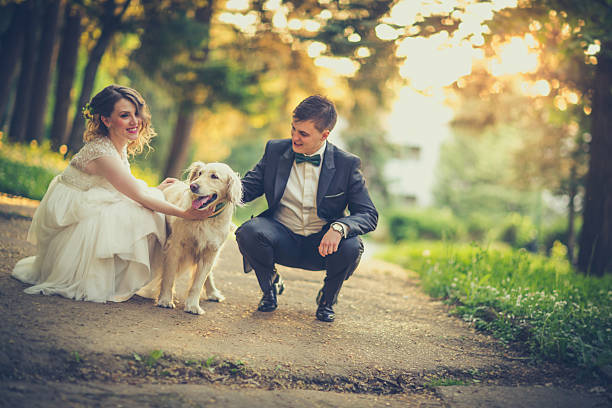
(218, 209)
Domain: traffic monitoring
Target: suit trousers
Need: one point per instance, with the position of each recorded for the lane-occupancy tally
(265, 242)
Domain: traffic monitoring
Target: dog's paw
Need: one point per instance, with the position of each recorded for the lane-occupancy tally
(167, 303)
(216, 296)
(193, 307)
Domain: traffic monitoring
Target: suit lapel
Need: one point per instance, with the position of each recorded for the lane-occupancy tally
(282, 174)
(328, 170)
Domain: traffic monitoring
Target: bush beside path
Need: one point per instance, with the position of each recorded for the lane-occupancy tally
(390, 345)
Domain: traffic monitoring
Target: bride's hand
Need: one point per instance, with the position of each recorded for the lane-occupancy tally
(196, 215)
(167, 182)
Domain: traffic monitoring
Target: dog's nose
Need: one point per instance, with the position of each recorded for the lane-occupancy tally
(194, 187)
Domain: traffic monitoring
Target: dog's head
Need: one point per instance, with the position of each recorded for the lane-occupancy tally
(213, 182)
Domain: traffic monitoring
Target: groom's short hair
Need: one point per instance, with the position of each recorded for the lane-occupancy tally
(319, 109)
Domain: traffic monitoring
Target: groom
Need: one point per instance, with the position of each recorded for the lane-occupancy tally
(308, 183)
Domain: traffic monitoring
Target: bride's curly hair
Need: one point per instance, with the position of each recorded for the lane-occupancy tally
(103, 104)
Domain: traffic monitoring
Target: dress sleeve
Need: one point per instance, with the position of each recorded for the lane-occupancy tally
(99, 147)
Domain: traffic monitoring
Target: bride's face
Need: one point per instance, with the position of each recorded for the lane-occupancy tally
(124, 123)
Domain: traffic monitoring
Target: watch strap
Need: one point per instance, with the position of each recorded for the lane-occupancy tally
(341, 230)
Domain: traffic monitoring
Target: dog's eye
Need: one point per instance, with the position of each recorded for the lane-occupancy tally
(199, 173)
(214, 176)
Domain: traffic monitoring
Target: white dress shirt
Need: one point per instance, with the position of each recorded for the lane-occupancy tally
(298, 206)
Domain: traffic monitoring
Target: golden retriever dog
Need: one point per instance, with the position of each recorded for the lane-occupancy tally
(193, 246)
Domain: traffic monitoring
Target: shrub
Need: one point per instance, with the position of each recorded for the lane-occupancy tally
(518, 231)
(478, 227)
(424, 224)
(557, 231)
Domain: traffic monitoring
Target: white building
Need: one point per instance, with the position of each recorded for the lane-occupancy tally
(419, 124)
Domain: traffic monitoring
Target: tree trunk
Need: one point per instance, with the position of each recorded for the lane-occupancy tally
(44, 68)
(75, 141)
(595, 240)
(12, 47)
(111, 22)
(571, 214)
(180, 141)
(66, 69)
(21, 107)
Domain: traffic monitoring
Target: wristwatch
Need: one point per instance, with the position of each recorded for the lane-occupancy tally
(336, 226)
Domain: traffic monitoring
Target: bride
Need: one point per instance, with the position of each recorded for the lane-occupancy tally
(97, 228)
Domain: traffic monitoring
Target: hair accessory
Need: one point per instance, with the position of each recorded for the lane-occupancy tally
(88, 111)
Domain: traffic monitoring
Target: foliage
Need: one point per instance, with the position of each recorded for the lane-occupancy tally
(513, 229)
(556, 230)
(518, 231)
(575, 62)
(175, 51)
(475, 174)
(522, 298)
(423, 224)
(238, 65)
(149, 360)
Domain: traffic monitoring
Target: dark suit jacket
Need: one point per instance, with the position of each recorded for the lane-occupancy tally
(341, 186)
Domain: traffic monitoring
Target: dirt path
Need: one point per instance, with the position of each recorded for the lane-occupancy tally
(389, 346)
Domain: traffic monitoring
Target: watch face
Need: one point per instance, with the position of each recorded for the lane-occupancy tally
(338, 228)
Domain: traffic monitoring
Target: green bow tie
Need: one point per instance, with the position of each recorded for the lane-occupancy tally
(315, 159)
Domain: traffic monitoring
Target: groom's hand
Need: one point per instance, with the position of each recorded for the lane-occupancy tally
(329, 242)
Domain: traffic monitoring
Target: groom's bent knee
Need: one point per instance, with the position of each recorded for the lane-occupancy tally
(253, 233)
(349, 251)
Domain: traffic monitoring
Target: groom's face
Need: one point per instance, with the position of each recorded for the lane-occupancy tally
(306, 138)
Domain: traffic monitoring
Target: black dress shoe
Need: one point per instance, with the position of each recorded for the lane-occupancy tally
(325, 313)
(268, 302)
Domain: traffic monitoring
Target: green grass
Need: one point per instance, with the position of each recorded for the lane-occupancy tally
(445, 382)
(27, 170)
(149, 360)
(76, 356)
(24, 180)
(538, 302)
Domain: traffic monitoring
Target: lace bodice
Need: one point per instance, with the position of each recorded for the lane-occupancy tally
(75, 174)
(99, 147)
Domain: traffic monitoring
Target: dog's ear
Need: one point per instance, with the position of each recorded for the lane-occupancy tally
(193, 171)
(234, 188)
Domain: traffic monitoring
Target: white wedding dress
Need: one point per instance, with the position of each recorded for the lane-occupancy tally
(93, 243)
